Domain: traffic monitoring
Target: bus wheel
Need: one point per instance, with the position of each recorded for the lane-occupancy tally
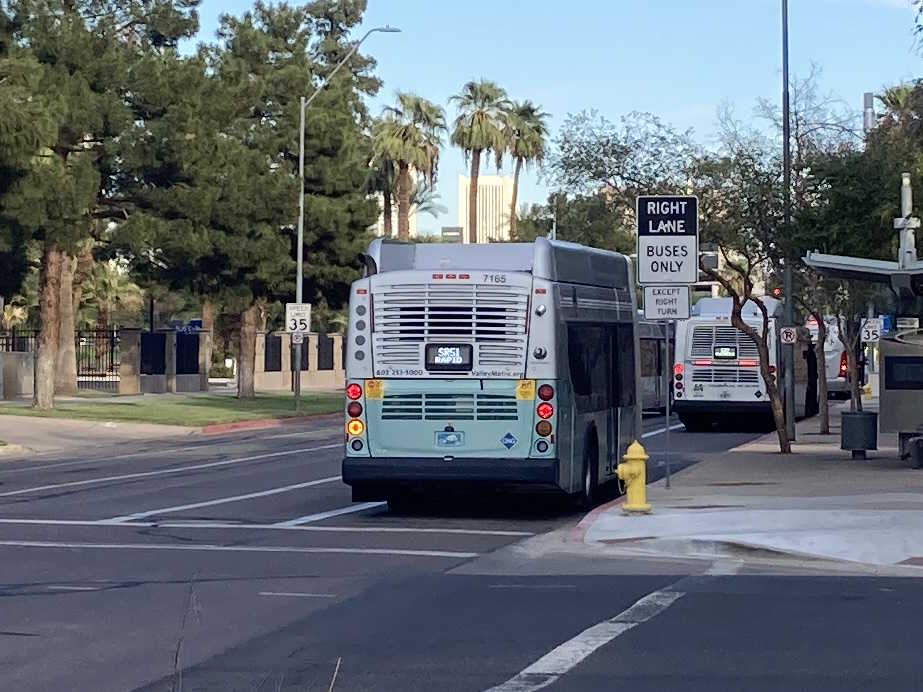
(587, 494)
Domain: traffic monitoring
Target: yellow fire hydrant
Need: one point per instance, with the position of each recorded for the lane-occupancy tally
(634, 474)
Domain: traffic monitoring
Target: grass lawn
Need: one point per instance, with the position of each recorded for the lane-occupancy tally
(193, 411)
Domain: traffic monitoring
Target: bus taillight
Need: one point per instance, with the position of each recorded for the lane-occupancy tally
(546, 392)
(543, 428)
(844, 364)
(545, 410)
(355, 427)
(354, 409)
(353, 391)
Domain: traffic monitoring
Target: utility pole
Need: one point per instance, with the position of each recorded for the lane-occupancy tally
(299, 278)
(788, 351)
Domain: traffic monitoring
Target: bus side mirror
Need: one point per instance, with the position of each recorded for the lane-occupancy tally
(368, 264)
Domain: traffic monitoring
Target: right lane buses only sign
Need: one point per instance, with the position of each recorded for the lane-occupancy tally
(668, 239)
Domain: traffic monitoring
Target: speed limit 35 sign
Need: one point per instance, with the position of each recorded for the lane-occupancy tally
(297, 318)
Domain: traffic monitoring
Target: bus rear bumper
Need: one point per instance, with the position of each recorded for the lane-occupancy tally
(377, 475)
(721, 407)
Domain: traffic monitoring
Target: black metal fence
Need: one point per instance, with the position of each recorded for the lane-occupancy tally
(324, 352)
(272, 353)
(153, 353)
(187, 353)
(98, 359)
(19, 340)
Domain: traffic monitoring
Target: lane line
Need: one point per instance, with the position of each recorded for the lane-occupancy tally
(661, 430)
(163, 472)
(297, 594)
(212, 548)
(65, 464)
(73, 588)
(192, 524)
(321, 432)
(320, 516)
(549, 668)
(532, 586)
(221, 500)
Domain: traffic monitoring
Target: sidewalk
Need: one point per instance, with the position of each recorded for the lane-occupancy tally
(815, 503)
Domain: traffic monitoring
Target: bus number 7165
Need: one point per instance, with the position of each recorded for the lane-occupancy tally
(495, 278)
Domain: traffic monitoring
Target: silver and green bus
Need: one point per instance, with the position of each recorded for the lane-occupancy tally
(500, 366)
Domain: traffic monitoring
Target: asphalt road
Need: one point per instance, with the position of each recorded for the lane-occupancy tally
(240, 563)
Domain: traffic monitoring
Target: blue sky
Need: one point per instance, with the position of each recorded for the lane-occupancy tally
(679, 59)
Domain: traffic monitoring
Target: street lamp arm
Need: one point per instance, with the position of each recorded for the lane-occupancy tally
(351, 53)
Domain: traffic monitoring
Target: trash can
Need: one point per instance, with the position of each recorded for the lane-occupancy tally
(859, 432)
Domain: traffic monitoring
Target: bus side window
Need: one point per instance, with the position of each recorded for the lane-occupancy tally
(623, 376)
(579, 362)
(588, 356)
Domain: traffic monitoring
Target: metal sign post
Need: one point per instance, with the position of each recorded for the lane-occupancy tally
(297, 323)
(668, 263)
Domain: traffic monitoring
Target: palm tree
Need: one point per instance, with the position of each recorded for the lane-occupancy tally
(410, 135)
(525, 131)
(109, 288)
(382, 183)
(425, 200)
(479, 128)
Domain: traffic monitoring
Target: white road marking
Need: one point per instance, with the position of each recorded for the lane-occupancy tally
(162, 472)
(320, 516)
(298, 595)
(72, 588)
(320, 432)
(549, 668)
(64, 464)
(532, 586)
(662, 430)
(260, 527)
(207, 547)
(221, 500)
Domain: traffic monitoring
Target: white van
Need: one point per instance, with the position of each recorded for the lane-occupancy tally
(836, 366)
(716, 372)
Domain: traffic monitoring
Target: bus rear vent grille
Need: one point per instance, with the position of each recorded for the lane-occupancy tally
(449, 407)
(726, 375)
(706, 339)
(493, 317)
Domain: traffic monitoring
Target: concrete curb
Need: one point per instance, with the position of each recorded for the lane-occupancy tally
(11, 449)
(266, 423)
(578, 532)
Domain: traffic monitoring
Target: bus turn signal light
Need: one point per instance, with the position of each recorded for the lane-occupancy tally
(353, 391)
(546, 392)
(543, 428)
(545, 410)
(354, 409)
(355, 427)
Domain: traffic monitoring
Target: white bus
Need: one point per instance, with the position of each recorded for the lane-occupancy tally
(510, 365)
(716, 371)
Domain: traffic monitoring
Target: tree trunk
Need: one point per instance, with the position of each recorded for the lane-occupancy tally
(473, 196)
(249, 321)
(403, 201)
(386, 214)
(849, 337)
(516, 173)
(822, 394)
(208, 327)
(772, 389)
(65, 376)
(48, 336)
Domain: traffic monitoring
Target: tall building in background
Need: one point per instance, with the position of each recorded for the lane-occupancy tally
(495, 193)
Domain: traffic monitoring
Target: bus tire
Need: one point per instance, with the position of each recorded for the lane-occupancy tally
(586, 497)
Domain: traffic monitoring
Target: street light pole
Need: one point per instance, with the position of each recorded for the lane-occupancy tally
(305, 103)
(788, 351)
